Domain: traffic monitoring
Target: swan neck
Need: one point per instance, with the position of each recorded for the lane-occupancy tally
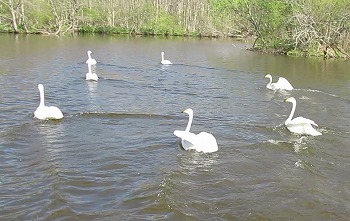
(89, 55)
(292, 112)
(162, 57)
(42, 100)
(270, 80)
(269, 84)
(190, 118)
(89, 68)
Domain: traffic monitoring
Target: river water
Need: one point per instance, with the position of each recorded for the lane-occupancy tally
(114, 156)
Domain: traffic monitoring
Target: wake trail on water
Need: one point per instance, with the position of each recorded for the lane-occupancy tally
(322, 92)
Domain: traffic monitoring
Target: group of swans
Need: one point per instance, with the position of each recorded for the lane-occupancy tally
(299, 125)
(44, 112)
(202, 142)
(54, 113)
(91, 76)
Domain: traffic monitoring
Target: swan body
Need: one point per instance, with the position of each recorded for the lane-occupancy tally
(164, 61)
(202, 142)
(300, 125)
(281, 84)
(46, 112)
(90, 62)
(91, 76)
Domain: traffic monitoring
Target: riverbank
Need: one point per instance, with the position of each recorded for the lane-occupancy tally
(317, 28)
(316, 50)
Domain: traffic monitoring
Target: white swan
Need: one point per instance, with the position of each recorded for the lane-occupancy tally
(300, 125)
(90, 62)
(281, 84)
(164, 61)
(202, 142)
(44, 112)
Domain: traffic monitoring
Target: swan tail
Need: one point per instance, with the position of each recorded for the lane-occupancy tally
(316, 133)
(312, 131)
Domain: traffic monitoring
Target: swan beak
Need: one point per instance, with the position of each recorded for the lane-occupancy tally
(184, 111)
(286, 100)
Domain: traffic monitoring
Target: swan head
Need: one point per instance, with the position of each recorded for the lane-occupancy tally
(291, 100)
(89, 52)
(162, 53)
(188, 111)
(40, 87)
(268, 76)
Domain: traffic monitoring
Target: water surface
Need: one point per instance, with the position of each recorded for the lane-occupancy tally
(114, 155)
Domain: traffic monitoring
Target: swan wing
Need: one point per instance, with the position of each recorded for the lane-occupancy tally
(39, 113)
(303, 128)
(301, 125)
(202, 142)
(206, 143)
(91, 61)
(91, 76)
(302, 120)
(166, 62)
(54, 113)
(268, 86)
(283, 84)
(51, 112)
(187, 139)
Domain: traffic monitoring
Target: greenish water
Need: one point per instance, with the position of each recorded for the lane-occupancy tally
(114, 155)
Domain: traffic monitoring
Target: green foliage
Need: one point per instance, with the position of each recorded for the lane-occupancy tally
(222, 14)
(93, 16)
(270, 20)
(163, 24)
(86, 29)
(103, 29)
(5, 27)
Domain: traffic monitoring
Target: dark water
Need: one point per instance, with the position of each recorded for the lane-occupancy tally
(114, 155)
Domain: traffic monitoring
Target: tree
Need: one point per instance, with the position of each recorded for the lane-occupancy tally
(321, 24)
(14, 12)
